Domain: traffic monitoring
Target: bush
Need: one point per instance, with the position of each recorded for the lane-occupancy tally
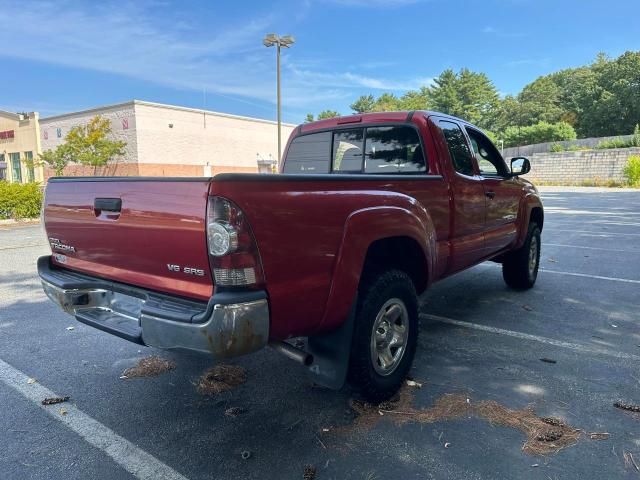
(621, 142)
(20, 200)
(556, 147)
(539, 133)
(632, 170)
(614, 143)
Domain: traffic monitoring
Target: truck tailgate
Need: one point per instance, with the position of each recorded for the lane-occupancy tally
(157, 239)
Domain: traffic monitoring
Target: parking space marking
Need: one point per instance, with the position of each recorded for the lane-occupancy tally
(28, 245)
(134, 460)
(535, 338)
(589, 248)
(573, 274)
(591, 232)
(598, 277)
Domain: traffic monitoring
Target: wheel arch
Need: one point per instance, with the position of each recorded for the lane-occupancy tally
(403, 253)
(531, 210)
(368, 236)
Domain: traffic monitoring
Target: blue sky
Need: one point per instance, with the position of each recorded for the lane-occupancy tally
(63, 55)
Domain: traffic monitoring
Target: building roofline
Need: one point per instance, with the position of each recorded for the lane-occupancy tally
(11, 115)
(162, 105)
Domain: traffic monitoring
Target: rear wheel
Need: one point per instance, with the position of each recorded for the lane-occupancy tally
(385, 334)
(520, 268)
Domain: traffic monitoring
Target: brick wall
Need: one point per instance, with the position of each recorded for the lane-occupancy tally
(572, 168)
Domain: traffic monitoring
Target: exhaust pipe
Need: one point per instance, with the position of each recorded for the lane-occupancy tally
(292, 352)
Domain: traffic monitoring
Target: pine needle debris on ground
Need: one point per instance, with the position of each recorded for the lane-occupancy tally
(629, 461)
(221, 378)
(149, 367)
(54, 400)
(309, 472)
(234, 411)
(627, 406)
(545, 435)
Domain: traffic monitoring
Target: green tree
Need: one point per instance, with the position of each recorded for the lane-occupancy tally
(309, 118)
(540, 101)
(364, 104)
(85, 144)
(57, 159)
(508, 113)
(328, 114)
(466, 94)
(387, 102)
(89, 144)
(415, 99)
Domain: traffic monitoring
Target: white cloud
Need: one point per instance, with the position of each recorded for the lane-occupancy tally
(130, 40)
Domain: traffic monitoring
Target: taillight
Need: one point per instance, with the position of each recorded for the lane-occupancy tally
(233, 253)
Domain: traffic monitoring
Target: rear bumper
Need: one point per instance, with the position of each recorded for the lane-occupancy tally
(229, 325)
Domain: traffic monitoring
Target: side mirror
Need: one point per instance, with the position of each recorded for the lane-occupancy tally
(520, 166)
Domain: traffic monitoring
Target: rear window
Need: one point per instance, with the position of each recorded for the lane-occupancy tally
(347, 150)
(393, 150)
(372, 150)
(309, 154)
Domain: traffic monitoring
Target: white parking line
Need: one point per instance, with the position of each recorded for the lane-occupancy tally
(589, 248)
(598, 277)
(134, 460)
(535, 338)
(591, 232)
(13, 247)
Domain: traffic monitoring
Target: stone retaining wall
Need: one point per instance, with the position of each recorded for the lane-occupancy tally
(574, 168)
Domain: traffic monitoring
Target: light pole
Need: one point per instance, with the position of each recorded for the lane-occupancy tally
(280, 42)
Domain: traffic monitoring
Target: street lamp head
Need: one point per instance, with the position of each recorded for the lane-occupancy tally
(270, 40)
(287, 41)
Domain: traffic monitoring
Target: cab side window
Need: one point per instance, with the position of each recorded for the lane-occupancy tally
(489, 160)
(393, 150)
(458, 149)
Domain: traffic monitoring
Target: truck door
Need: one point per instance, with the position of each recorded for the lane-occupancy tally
(502, 191)
(467, 198)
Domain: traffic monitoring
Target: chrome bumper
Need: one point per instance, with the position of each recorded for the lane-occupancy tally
(226, 330)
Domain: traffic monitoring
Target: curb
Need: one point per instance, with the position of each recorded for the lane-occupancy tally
(12, 222)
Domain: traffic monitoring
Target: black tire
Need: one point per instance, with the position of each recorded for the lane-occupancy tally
(517, 270)
(390, 289)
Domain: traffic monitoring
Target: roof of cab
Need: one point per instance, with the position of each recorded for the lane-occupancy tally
(366, 118)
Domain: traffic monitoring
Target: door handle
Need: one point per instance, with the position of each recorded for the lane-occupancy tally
(490, 194)
(107, 204)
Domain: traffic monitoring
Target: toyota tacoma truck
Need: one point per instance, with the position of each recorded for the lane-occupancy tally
(366, 213)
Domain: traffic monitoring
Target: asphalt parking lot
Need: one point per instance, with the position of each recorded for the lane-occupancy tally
(478, 339)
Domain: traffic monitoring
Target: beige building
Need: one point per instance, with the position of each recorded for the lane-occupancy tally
(19, 147)
(166, 140)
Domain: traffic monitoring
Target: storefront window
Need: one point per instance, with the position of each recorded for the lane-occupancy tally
(16, 173)
(28, 160)
(3, 168)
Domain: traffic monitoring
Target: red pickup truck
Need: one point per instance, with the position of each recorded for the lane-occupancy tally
(367, 212)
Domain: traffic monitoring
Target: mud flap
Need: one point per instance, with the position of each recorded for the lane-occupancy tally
(331, 352)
